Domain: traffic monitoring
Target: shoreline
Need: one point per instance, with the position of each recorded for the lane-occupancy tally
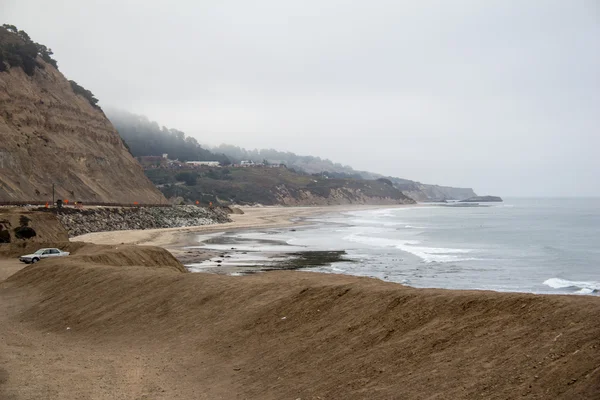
(178, 241)
(253, 218)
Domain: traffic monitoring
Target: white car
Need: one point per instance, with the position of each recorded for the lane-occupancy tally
(42, 253)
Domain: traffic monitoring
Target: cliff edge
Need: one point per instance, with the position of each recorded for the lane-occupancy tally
(51, 135)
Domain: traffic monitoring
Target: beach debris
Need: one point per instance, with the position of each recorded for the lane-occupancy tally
(68, 328)
(283, 318)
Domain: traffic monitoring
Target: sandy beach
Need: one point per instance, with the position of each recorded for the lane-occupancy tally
(253, 218)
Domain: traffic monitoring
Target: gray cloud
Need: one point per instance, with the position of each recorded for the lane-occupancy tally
(502, 96)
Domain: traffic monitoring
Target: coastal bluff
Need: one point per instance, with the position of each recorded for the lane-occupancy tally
(54, 139)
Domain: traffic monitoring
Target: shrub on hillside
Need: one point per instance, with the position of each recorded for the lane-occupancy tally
(188, 177)
(78, 89)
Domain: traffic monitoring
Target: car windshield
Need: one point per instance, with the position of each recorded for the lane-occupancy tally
(41, 251)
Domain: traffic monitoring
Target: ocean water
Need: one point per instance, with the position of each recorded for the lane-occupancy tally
(521, 245)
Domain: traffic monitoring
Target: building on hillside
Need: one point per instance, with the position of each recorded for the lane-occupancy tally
(203, 163)
(247, 163)
(166, 156)
(175, 164)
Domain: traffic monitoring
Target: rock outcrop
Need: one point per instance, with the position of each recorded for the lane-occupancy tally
(482, 199)
(51, 135)
(425, 193)
(79, 222)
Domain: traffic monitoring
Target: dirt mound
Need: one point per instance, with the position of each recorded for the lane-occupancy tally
(126, 256)
(18, 226)
(304, 335)
(91, 254)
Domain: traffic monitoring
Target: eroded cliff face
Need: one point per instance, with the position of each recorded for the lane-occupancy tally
(337, 196)
(424, 192)
(48, 134)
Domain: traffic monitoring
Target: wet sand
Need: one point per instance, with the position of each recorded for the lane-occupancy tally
(178, 240)
(253, 218)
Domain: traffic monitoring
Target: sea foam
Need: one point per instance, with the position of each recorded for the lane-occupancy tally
(427, 254)
(580, 287)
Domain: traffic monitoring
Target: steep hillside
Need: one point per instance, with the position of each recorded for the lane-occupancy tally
(271, 186)
(49, 134)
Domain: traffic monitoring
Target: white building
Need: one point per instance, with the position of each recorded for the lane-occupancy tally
(203, 163)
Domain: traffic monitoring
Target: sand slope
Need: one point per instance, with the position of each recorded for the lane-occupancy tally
(155, 333)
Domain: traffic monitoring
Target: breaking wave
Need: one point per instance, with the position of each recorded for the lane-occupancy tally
(580, 287)
(427, 254)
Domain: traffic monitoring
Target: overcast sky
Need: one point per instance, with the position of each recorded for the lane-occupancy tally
(499, 95)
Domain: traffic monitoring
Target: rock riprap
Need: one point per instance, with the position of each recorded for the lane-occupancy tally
(79, 222)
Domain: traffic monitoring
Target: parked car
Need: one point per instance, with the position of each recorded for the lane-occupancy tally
(42, 253)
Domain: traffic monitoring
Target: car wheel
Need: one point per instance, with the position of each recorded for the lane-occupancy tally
(34, 260)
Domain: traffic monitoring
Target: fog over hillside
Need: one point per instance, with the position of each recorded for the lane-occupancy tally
(501, 96)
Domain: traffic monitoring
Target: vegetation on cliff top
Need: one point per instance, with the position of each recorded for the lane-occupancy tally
(19, 51)
(78, 89)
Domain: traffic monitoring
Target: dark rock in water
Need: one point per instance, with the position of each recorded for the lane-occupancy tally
(482, 199)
